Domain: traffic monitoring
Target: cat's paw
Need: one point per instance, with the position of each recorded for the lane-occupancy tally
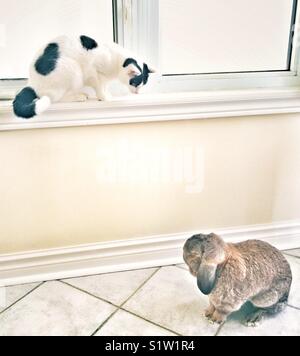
(106, 97)
(80, 98)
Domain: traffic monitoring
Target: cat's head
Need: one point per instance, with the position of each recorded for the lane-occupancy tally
(135, 75)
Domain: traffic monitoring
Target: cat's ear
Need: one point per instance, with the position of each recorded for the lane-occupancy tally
(132, 67)
(133, 71)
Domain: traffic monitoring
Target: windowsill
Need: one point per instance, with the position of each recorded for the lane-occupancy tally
(159, 107)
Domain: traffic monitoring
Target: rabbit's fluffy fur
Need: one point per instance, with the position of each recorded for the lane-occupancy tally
(233, 274)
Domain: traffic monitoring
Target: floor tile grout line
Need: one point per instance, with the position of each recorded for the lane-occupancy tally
(106, 300)
(151, 322)
(291, 306)
(141, 286)
(23, 297)
(98, 298)
(105, 322)
(108, 273)
(119, 307)
(219, 329)
(290, 255)
(90, 294)
(139, 317)
(182, 268)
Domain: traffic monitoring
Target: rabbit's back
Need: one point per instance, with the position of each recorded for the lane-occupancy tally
(263, 262)
(252, 268)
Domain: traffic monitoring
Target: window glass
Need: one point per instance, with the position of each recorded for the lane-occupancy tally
(216, 36)
(27, 25)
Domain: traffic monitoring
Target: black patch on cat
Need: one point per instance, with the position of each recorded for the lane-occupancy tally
(48, 60)
(146, 74)
(139, 79)
(132, 61)
(24, 104)
(88, 43)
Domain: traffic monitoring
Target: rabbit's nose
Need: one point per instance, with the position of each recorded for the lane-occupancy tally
(193, 273)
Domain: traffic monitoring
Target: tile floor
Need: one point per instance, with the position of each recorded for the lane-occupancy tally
(153, 302)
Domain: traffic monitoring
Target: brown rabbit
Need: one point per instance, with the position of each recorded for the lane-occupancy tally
(233, 274)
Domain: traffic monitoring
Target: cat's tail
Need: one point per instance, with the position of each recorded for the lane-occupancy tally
(27, 104)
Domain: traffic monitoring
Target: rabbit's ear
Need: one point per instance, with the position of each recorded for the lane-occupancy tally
(214, 255)
(206, 277)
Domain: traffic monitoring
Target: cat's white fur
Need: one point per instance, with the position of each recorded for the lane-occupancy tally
(78, 68)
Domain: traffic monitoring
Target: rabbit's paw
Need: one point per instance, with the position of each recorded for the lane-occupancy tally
(218, 318)
(253, 320)
(209, 319)
(209, 312)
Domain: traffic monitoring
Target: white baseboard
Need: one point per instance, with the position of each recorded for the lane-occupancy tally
(127, 255)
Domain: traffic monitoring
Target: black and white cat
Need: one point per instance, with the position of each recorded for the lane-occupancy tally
(65, 67)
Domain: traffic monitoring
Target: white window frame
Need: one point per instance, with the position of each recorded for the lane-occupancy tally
(139, 31)
(137, 28)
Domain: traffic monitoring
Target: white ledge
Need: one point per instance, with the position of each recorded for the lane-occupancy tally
(159, 107)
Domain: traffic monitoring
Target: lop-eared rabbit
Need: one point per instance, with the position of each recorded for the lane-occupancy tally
(233, 274)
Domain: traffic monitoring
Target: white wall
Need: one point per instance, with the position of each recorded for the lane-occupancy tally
(51, 194)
